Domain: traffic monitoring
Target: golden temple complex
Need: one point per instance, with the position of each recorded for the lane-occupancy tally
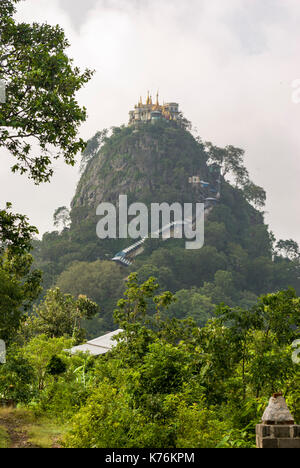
(153, 111)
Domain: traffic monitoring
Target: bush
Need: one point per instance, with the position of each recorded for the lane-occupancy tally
(62, 399)
(109, 419)
(16, 377)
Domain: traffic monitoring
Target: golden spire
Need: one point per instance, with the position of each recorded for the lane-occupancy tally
(149, 99)
(156, 106)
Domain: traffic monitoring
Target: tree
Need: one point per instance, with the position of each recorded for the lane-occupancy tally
(19, 283)
(230, 159)
(222, 289)
(16, 377)
(190, 303)
(15, 232)
(19, 286)
(164, 275)
(61, 217)
(168, 383)
(61, 314)
(102, 281)
(288, 248)
(265, 333)
(149, 390)
(239, 323)
(183, 122)
(280, 315)
(255, 194)
(215, 234)
(39, 353)
(38, 123)
(131, 311)
(41, 83)
(92, 148)
(56, 366)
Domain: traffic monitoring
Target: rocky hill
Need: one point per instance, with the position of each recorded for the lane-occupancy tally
(151, 163)
(154, 163)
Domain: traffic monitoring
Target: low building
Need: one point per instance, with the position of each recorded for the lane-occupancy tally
(197, 180)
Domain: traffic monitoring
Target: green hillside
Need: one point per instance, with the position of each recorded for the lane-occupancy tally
(153, 163)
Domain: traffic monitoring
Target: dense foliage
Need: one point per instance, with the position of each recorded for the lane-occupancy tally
(239, 261)
(39, 121)
(60, 315)
(167, 383)
(19, 287)
(41, 83)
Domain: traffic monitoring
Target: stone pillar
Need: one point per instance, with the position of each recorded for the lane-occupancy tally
(277, 429)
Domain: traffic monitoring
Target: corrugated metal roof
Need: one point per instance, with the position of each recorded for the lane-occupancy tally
(100, 345)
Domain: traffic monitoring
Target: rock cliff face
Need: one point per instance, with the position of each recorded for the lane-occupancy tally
(149, 164)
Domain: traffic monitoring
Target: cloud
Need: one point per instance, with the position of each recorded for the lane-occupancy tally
(229, 64)
(77, 11)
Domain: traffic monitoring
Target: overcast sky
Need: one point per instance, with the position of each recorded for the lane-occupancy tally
(229, 64)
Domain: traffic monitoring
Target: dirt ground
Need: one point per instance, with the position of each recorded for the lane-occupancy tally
(16, 428)
(18, 438)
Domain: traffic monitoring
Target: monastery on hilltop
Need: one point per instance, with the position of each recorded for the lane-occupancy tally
(150, 112)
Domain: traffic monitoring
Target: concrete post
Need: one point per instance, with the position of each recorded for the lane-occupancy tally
(277, 429)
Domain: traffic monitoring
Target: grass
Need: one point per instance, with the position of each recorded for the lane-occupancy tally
(4, 438)
(44, 433)
(38, 431)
